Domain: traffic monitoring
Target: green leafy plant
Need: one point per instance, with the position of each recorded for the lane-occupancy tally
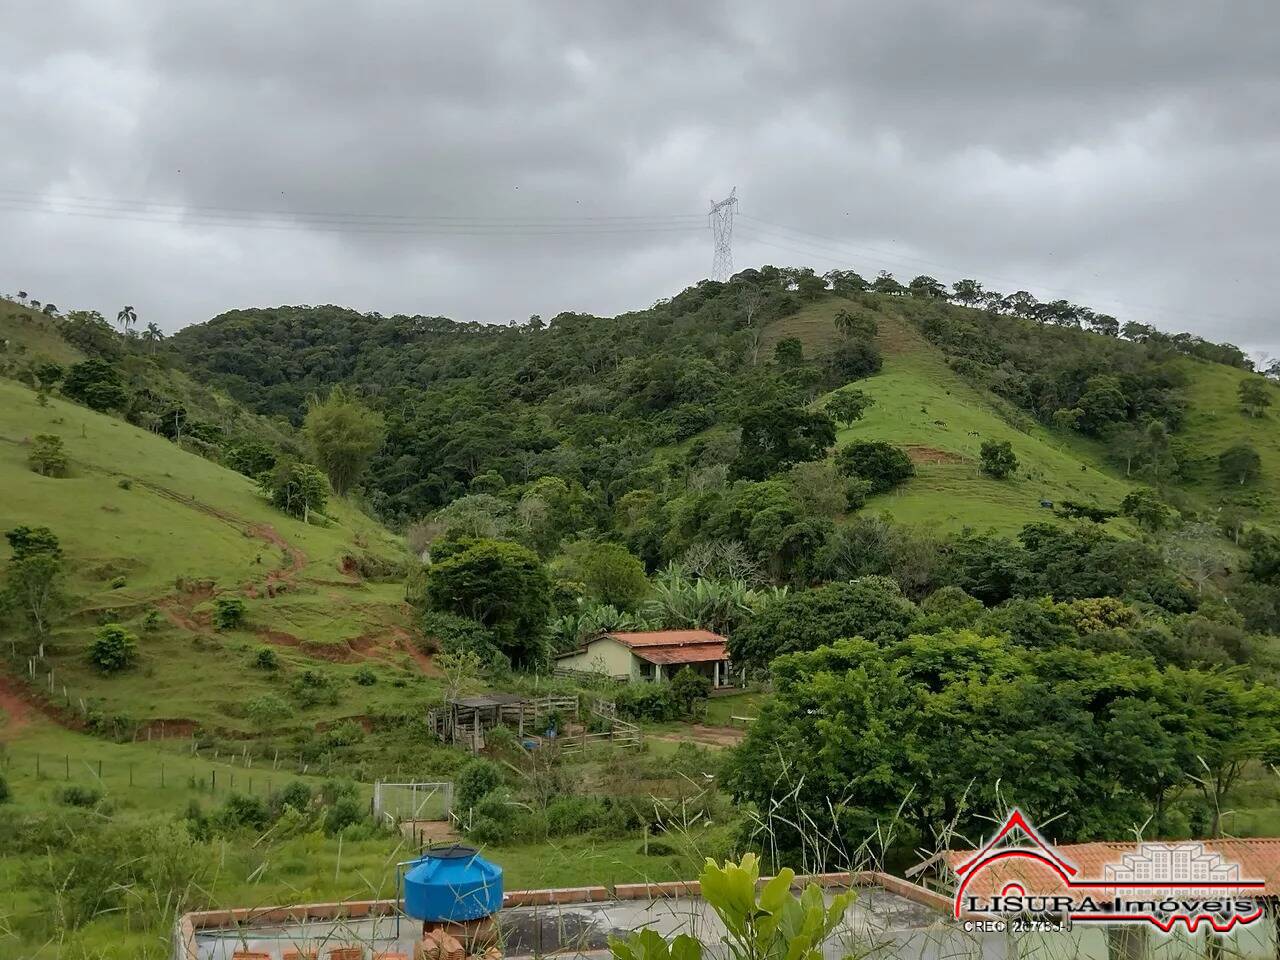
(998, 459)
(266, 659)
(882, 465)
(476, 780)
(47, 456)
(78, 796)
(228, 612)
(267, 710)
(113, 648)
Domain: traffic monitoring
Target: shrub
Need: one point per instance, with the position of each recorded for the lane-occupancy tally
(648, 701)
(5, 793)
(240, 811)
(311, 687)
(299, 489)
(78, 796)
(228, 612)
(366, 677)
(297, 795)
(656, 848)
(855, 494)
(476, 780)
(331, 791)
(266, 659)
(267, 710)
(118, 583)
(113, 648)
(345, 812)
(998, 459)
(47, 457)
(690, 688)
(495, 819)
(346, 734)
(124, 483)
(96, 384)
(152, 620)
(454, 634)
(572, 815)
(882, 465)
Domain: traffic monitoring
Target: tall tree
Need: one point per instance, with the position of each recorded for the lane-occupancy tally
(1240, 463)
(127, 317)
(344, 435)
(152, 335)
(32, 579)
(998, 459)
(927, 287)
(1255, 396)
(502, 586)
(848, 405)
(967, 292)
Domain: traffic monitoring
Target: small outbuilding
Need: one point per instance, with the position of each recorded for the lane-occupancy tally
(651, 655)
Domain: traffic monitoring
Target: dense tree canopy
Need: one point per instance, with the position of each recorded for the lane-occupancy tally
(503, 586)
(942, 729)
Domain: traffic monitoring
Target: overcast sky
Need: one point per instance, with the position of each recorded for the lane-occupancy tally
(202, 156)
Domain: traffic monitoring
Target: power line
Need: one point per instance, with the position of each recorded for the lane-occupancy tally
(156, 206)
(313, 224)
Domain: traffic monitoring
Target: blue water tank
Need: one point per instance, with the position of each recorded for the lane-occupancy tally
(452, 883)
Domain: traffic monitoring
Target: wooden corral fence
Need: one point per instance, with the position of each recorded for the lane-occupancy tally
(465, 721)
(620, 734)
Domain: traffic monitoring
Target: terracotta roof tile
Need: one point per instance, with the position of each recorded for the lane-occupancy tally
(688, 653)
(665, 638)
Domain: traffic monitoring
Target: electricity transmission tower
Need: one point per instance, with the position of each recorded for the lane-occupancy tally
(721, 217)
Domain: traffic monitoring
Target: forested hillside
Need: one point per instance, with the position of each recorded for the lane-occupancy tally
(934, 526)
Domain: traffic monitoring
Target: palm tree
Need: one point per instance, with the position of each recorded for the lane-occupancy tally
(152, 335)
(126, 318)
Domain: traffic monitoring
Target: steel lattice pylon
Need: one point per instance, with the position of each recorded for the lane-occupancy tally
(721, 217)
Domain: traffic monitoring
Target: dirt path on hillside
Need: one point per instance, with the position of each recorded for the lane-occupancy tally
(703, 735)
(424, 660)
(16, 710)
(294, 559)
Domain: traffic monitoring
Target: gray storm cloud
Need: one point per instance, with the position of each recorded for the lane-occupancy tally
(1123, 155)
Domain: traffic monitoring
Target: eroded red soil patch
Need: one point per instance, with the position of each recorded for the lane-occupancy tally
(932, 455)
(15, 708)
(166, 728)
(280, 638)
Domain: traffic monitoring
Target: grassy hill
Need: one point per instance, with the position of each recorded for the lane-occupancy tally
(1216, 422)
(148, 526)
(942, 418)
(922, 405)
(28, 334)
